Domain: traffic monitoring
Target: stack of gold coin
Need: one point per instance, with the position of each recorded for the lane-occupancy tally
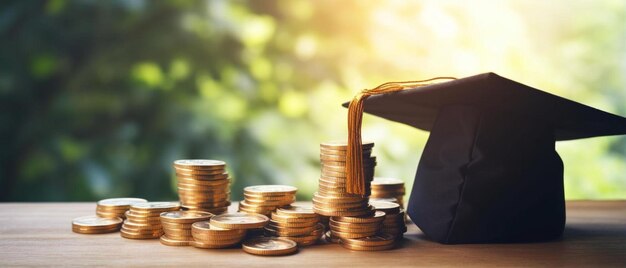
(297, 223)
(370, 243)
(388, 188)
(206, 236)
(225, 230)
(143, 220)
(356, 227)
(116, 207)
(203, 185)
(177, 226)
(264, 199)
(394, 218)
(95, 225)
(269, 246)
(332, 199)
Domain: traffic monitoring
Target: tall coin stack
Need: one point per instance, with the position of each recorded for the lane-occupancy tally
(297, 223)
(116, 207)
(383, 188)
(203, 185)
(332, 199)
(356, 227)
(177, 226)
(143, 220)
(264, 199)
(394, 218)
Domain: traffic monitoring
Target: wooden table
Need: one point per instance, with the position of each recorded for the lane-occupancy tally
(39, 234)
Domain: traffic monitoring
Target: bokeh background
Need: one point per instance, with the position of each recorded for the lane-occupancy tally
(97, 98)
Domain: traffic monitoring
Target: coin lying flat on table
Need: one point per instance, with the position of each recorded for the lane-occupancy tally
(239, 221)
(269, 246)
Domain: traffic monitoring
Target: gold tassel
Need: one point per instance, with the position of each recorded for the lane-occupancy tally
(355, 182)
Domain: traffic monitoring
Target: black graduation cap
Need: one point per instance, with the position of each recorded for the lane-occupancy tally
(489, 171)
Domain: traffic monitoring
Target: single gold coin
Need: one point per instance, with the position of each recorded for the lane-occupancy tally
(360, 208)
(343, 145)
(206, 173)
(334, 213)
(243, 203)
(168, 241)
(384, 199)
(269, 246)
(148, 206)
(304, 239)
(344, 235)
(82, 230)
(375, 240)
(293, 224)
(189, 216)
(290, 231)
(297, 210)
(95, 222)
(327, 151)
(366, 248)
(200, 164)
(377, 216)
(239, 220)
(124, 202)
(387, 207)
(271, 190)
(350, 225)
(353, 230)
(198, 178)
(210, 245)
(292, 219)
(134, 235)
(339, 196)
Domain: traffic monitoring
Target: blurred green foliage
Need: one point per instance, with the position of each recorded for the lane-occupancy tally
(99, 97)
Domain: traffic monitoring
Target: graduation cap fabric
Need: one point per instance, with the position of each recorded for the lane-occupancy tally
(489, 172)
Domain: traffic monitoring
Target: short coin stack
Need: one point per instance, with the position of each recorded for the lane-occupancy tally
(177, 226)
(264, 199)
(394, 218)
(269, 246)
(388, 188)
(95, 225)
(356, 227)
(206, 236)
(297, 223)
(116, 207)
(203, 185)
(370, 243)
(225, 230)
(332, 199)
(143, 219)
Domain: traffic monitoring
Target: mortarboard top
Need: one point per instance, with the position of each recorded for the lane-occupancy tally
(489, 171)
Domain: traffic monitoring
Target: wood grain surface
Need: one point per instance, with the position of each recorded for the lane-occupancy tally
(39, 234)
